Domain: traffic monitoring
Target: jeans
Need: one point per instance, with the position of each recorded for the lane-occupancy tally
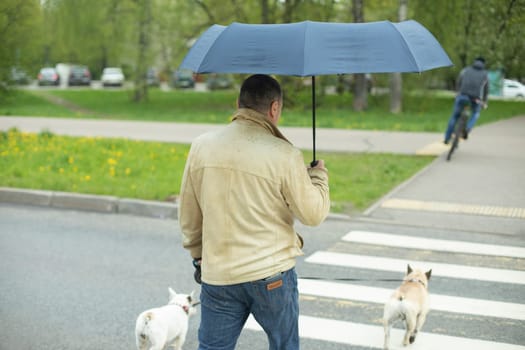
(274, 303)
(459, 103)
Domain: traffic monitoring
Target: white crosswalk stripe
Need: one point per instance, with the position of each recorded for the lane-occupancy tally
(437, 302)
(433, 244)
(438, 269)
(372, 335)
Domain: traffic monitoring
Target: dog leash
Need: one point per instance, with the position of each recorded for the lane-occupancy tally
(352, 279)
(197, 276)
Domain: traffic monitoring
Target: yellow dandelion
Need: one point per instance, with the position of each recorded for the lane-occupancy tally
(70, 160)
(112, 161)
(128, 171)
(112, 171)
(87, 177)
(61, 170)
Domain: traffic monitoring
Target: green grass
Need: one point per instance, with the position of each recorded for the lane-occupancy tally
(423, 112)
(152, 170)
(23, 103)
(149, 170)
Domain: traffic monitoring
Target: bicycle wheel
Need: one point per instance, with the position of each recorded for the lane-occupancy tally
(461, 124)
(455, 142)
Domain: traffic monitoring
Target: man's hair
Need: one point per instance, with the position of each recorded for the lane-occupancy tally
(258, 92)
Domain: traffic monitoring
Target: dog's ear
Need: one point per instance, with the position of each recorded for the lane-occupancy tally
(171, 292)
(409, 269)
(428, 273)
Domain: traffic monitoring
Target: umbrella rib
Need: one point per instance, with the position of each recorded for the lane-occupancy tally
(215, 44)
(305, 23)
(406, 45)
(198, 67)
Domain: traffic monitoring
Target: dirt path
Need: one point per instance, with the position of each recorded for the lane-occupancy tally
(66, 104)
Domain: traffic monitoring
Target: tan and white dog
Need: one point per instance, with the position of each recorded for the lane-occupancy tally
(410, 303)
(158, 328)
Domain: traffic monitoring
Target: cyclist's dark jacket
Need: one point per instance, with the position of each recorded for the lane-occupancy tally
(473, 81)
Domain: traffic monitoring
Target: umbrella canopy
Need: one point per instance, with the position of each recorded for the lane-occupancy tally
(316, 48)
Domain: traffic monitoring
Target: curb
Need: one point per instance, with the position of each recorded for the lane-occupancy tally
(100, 204)
(368, 212)
(87, 202)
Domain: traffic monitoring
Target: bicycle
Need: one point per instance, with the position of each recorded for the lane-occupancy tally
(460, 129)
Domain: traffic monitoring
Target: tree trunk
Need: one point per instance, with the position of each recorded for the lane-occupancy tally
(360, 86)
(396, 81)
(467, 29)
(289, 9)
(141, 86)
(265, 16)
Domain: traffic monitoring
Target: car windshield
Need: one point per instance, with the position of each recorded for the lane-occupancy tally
(184, 74)
(79, 69)
(47, 71)
(112, 71)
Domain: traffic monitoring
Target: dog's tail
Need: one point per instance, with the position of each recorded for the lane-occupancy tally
(148, 317)
(146, 320)
(398, 295)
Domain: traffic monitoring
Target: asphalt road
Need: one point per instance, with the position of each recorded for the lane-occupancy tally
(78, 280)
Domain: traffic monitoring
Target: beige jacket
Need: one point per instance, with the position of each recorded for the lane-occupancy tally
(242, 187)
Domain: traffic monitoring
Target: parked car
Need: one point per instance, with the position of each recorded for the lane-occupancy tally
(79, 75)
(48, 76)
(19, 76)
(183, 78)
(512, 89)
(152, 78)
(219, 81)
(112, 76)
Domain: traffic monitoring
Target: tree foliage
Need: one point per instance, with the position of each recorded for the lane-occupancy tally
(100, 33)
(466, 28)
(19, 35)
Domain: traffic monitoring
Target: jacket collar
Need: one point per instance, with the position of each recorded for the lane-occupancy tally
(260, 119)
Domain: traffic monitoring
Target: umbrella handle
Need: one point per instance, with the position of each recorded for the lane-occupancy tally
(314, 161)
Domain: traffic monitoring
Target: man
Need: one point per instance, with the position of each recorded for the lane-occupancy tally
(242, 188)
(473, 88)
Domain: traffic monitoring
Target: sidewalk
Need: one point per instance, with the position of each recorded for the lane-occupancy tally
(480, 189)
(327, 139)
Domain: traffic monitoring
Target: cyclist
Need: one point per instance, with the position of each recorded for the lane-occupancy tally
(472, 86)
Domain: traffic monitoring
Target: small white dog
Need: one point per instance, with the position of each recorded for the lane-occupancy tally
(160, 327)
(410, 303)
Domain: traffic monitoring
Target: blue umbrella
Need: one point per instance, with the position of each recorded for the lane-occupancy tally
(316, 48)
